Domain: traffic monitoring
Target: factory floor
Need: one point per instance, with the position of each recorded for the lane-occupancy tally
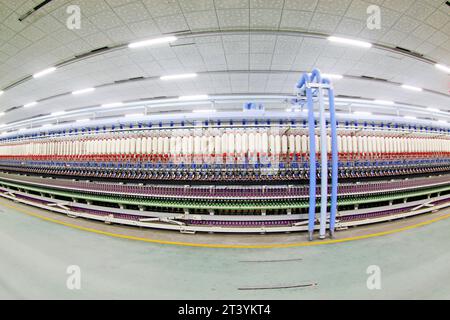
(35, 255)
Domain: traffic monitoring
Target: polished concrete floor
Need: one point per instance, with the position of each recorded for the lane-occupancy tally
(35, 255)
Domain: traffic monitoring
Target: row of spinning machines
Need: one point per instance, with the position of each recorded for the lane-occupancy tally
(229, 174)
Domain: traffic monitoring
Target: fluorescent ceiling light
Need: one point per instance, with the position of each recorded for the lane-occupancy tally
(112, 105)
(204, 111)
(31, 104)
(410, 117)
(289, 110)
(433, 109)
(390, 103)
(2, 114)
(44, 72)
(83, 120)
(58, 113)
(151, 42)
(134, 115)
(1, 92)
(407, 87)
(179, 76)
(47, 125)
(87, 90)
(442, 67)
(442, 121)
(362, 113)
(332, 76)
(351, 42)
(195, 97)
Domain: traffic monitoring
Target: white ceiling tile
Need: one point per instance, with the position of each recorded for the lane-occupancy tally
(438, 19)
(98, 40)
(266, 4)
(106, 20)
(233, 18)
(426, 48)
(118, 3)
(411, 42)
(48, 24)
(162, 8)
(438, 38)
(334, 7)
(420, 10)
(324, 22)
(265, 18)
(393, 37)
(132, 12)
(406, 24)
(120, 34)
(350, 26)
(357, 10)
(397, 5)
(144, 29)
(232, 4)
(296, 19)
(305, 5)
(87, 28)
(389, 17)
(19, 42)
(169, 24)
(202, 20)
(196, 5)
(89, 7)
(424, 31)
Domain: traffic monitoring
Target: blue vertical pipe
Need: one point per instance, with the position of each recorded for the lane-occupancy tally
(302, 85)
(312, 163)
(324, 167)
(334, 160)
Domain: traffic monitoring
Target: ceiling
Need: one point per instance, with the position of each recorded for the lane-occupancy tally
(236, 47)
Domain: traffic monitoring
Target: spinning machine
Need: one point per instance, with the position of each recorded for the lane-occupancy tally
(244, 172)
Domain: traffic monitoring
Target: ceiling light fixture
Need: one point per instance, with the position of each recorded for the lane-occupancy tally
(204, 111)
(410, 117)
(83, 120)
(351, 42)
(1, 92)
(29, 105)
(389, 103)
(82, 91)
(433, 109)
(194, 97)
(412, 88)
(58, 113)
(2, 114)
(332, 76)
(362, 113)
(179, 76)
(44, 72)
(134, 115)
(442, 67)
(151, 42)
(112, 105)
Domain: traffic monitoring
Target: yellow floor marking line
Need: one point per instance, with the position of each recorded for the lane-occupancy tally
(227, 246)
